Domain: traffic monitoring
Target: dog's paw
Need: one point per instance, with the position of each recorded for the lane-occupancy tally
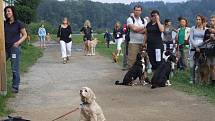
(153, 87)
(168, 83)
(144, 83)
(117, 82)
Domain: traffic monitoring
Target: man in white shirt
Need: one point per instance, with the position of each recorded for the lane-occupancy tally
(137, 25)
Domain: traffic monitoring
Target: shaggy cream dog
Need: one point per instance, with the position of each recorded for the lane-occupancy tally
(93, 44)
(90, 110)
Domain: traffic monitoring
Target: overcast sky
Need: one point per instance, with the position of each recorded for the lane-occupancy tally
(129, 1)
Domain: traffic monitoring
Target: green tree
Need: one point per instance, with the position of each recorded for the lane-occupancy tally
(26, 10)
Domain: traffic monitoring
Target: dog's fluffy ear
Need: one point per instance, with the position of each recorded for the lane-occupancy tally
(172, 58)
(92, 95)
(138, 56)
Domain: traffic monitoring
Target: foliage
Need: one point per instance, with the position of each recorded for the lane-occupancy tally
(33, 28)
(101, 15)
(104, 15)
(26, 10)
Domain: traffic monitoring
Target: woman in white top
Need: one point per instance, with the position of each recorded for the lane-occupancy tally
(196, 40)
(118, 35)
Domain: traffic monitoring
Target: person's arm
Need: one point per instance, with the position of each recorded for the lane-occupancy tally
(132, 27)
(143, 31)
(145, 39)
(59, 33)
(160, 26)
(91, 32)
(22, 39)
(192, 41)
(136, 29)
(81, 31)
(114, 33)
(104, 35)
(206, 36)
(45, 31)
(70, 29)
(38, 32)
(191, 37)
(175, 30)
(70, 32)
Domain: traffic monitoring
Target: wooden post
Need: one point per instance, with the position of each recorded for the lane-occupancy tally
(3, 77)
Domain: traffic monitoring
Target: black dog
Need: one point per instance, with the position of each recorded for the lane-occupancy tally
(162, 73)
(136, 71)
(10, 118)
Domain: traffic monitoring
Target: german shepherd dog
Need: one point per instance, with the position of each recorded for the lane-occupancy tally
(203, 70)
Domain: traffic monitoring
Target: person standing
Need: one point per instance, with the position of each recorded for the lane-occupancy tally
(182, 39)
(42, 36)
(210, 36)
(197, 33)
(167, 35)
(107, 37)
(118, 36)
(87, 31)
(153, 40)
(136, 25)
(15, 35)
(64, 36)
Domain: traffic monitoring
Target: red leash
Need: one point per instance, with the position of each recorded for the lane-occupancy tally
(66, 114)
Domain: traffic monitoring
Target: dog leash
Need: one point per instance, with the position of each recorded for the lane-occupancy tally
(67, 113)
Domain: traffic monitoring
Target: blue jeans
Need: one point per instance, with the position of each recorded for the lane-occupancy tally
(13, 53)
(181, 62)
(42, 39)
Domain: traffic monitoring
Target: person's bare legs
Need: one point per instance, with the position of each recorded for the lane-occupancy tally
(85, 48)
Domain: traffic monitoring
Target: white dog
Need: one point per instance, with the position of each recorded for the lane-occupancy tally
(90, 110)
(93, 44)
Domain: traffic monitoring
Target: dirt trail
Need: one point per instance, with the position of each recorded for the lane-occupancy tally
(51, 88)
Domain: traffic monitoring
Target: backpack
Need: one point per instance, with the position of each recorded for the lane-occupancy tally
(127, 33)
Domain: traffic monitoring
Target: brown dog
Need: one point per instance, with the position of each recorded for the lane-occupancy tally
(115, 58)
(203, 69)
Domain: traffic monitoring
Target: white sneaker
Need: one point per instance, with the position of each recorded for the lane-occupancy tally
(145, 83)
(168, 83)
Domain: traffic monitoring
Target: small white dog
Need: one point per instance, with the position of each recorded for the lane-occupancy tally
(93, 44)
(90, 110)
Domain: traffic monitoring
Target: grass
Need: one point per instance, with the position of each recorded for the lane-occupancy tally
(180, 81)
(29, 56)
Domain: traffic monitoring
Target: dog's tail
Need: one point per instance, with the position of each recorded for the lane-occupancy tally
(118, 83)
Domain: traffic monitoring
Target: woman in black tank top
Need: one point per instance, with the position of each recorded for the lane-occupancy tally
(153, 39)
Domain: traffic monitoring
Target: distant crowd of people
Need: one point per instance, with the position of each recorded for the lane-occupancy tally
(192, 45)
